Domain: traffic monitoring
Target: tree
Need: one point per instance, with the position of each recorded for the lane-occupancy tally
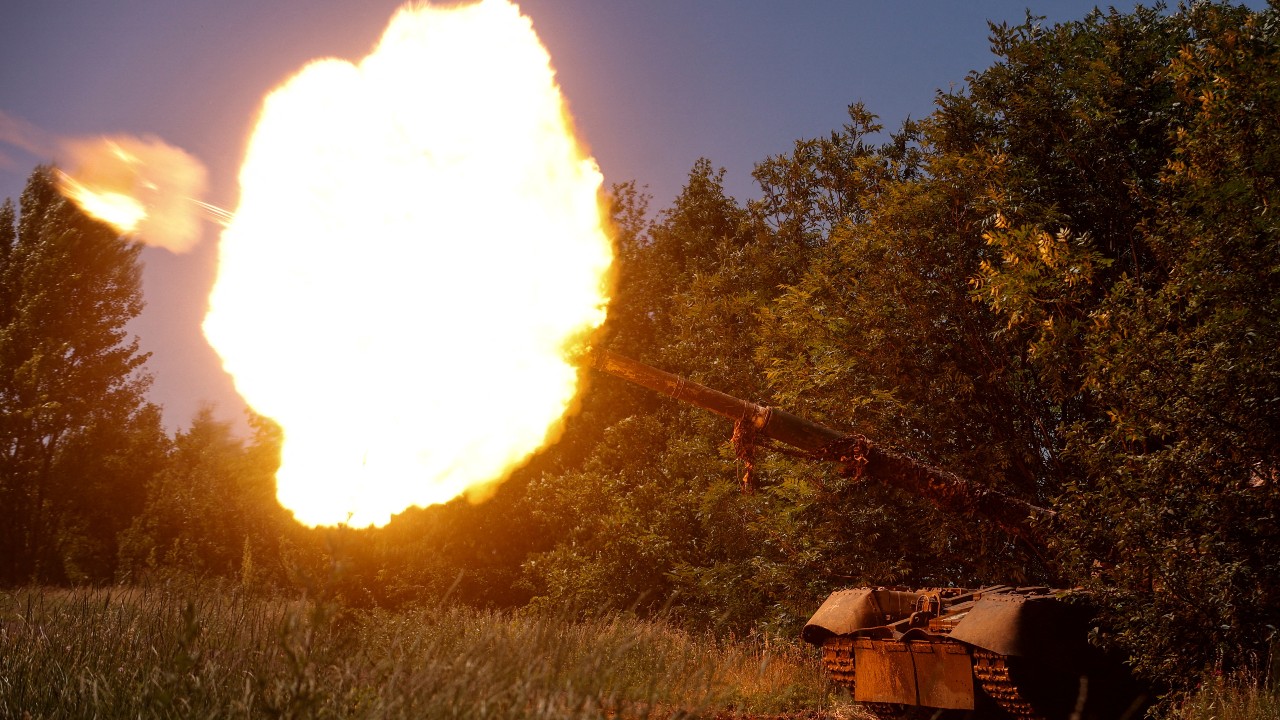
(1062, 283)
(646, 499)
(841, 294)
(211, 509)
(878, 335)
(1130, 165)
(1180, 516)
(70, 377)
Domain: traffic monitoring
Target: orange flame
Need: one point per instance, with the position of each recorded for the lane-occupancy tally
(140, 186)
(417, 253)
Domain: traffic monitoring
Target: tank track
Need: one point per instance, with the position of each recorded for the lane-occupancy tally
(837, 657)
(992, 672)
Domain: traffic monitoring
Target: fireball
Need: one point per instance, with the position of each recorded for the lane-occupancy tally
(142, 187)
(417, 254)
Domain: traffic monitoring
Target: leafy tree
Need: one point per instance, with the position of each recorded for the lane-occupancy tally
(1180, 510)
(1132, 167)
(647, 500)
(878, 336)
(110, 466)
(72, 406)
(1062, 283)
(1073, 130)
(211, 509)
(817, 289)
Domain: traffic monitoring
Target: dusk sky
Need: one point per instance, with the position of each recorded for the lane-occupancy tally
(652, 85)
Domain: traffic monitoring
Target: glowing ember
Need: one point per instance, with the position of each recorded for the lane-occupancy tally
(417, 251)
(139, 186)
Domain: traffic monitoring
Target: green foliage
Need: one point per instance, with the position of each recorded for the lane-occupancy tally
(1061, 284)
(878, 336)
(77, 439)
(211, 510)
(1150, 313)
(1072, 128)
(785, 291)
(656, 498)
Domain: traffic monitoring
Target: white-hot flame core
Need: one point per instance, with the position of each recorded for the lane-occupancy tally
(417, 251)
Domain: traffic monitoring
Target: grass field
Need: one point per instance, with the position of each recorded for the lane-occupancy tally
(1242, 698)
(203, 650)
(184, 650)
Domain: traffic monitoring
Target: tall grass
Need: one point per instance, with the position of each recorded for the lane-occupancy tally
(1245, 697)
(180, 650)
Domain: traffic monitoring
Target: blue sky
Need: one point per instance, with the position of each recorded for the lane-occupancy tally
(653, 86)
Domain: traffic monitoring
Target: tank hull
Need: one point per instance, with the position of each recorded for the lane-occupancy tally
(1018, 652)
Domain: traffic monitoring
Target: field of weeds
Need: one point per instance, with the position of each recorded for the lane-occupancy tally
(203, 650)
(1246, 696)
(196, 650)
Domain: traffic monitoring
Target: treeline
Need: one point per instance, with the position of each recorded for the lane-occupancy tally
(1063, 283)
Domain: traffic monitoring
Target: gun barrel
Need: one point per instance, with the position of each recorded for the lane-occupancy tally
(771, 422)
(947, 490)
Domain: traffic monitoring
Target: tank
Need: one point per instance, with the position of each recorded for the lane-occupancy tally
(997, 651)
(1019, 652)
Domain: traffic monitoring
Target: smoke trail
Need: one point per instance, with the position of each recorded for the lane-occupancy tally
(25, 136)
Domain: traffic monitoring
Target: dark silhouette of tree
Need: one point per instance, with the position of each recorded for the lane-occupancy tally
(72, 406)
(211, 509)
